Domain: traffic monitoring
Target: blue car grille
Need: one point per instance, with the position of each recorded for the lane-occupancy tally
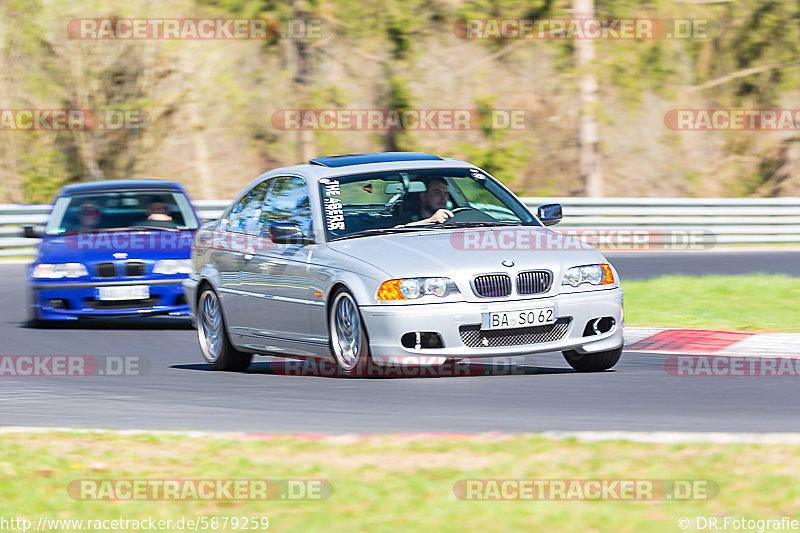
(134, 269)
(122, 305)
(106, 270)
(492, 285)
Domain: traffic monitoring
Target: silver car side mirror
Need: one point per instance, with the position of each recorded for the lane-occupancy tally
(549, 214)
(288, 234)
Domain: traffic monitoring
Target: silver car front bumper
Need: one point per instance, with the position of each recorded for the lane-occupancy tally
(387, 324)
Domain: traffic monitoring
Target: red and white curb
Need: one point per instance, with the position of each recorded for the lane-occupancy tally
(654, 437)
(712, 342)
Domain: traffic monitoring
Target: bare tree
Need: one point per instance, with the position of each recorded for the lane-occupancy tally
(588, 138)
(305, 137)
(9, 172)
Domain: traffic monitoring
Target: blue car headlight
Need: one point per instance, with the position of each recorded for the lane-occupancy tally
(59, 270)
(173, 266)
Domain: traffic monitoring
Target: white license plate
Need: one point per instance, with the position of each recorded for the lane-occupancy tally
(524, 318)
(132, 292)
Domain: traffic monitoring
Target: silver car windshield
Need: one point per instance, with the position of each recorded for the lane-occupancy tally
(120, 210)
(404, 200)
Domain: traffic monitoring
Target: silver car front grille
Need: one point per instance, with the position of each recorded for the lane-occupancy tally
(534, 281)
(475, 337)
(492, 285)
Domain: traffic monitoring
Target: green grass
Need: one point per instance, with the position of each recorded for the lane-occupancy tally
(397, 484)
(757, 302)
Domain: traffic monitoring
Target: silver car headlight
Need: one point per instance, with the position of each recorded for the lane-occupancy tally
(173, 266)
(413, 288)
(600, 274)
(59, 270)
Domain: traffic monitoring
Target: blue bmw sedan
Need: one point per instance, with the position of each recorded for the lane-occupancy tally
(111, 249)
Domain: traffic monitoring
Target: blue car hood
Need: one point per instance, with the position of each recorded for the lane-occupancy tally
(97, 247)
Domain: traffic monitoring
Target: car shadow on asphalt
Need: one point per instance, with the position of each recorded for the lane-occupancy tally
(327, 369)
(133, 323)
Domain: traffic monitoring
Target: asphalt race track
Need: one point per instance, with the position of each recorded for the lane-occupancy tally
(178, 392)
(643, 265)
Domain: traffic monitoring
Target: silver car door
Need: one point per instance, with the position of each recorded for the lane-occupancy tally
(277, 276)
(235, 242)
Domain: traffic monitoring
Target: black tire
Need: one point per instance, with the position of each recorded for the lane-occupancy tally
(38, 323)
(212, 333)
(593, 362)
(363, 360)
(33, 313)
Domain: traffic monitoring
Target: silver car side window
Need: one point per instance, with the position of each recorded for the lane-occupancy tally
(244, 216)
(287, 203)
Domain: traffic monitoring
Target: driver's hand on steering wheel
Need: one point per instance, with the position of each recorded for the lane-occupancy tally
(440, 216)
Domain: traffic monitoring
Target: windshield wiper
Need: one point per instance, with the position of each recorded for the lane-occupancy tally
(380, 231)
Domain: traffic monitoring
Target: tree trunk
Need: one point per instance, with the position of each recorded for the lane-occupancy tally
(588, 138)
(305, 138)
(9, 172)
(84, 138)
(197, 126)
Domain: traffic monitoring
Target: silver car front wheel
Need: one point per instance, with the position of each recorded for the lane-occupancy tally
(593, 362)
(348, 335)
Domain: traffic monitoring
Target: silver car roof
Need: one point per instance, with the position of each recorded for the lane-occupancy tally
(315, 172)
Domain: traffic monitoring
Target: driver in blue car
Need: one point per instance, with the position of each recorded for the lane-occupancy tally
(158, 216)
(89, 217)
(432, 203)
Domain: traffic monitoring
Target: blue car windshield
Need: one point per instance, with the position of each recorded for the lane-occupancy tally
(121, 210)
(405, 200)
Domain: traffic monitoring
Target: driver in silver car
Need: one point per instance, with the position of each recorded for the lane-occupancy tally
(432, 202)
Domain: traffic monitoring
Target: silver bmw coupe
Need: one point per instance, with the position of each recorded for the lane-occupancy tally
(401, 256)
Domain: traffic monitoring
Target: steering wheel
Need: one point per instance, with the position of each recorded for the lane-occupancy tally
(468, 214)
(455, 210)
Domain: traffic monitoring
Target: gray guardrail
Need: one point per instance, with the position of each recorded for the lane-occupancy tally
(604, 221)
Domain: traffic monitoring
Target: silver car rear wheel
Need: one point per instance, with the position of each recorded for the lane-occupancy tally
(348, 337)
(214, 343)
(210, 327)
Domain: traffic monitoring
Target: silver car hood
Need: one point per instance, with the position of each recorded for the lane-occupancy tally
(461, 257)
